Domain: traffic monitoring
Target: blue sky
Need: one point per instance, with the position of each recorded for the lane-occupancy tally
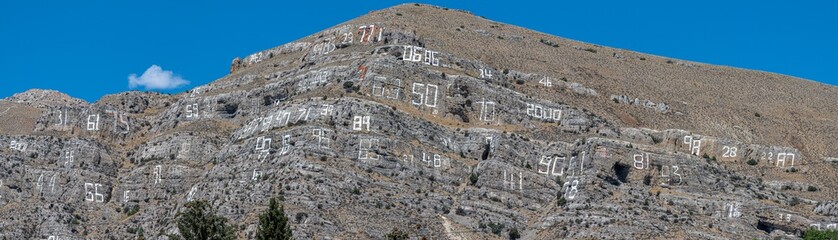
(89, 48)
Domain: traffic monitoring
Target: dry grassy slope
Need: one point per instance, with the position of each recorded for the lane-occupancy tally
(715, 100)
(17, 119)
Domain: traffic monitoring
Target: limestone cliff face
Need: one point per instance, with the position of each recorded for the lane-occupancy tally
(439, 123)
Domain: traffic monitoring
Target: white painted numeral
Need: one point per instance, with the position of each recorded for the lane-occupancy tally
(546, 81)
(434, 160)
(487, 111)
(324, 47)
(192, 110)
(509, 181)
(785, 217)
(406, 161)
(396, 91)
(94, 195)
(366, 148)
(197, 90)
(263, 147)
(62, 117)
(320, 77)
(361, 123)
(640, 162)
(125, 196)
(733, 210)
(18, 145)
(380, 33)
(38, 184)
(693, 144)
(367, 34)
(283, 115)
(420, 94)
(382, 91)
(327, 110)
(266, 123)
(485, 73)
(675, 169)
(428, 96)
(157, 170)
(191, 194)
(549, 164)
(286, 144)
(93, 122)
(121, 119)
(545, 114)
(782, 157)
(424, 98)
(729, 152)
(410, 54)
(52, 183)
(320, 135)
(303, 114)
(430, 58)
(668, 172)
(571, 189)
(348, 38)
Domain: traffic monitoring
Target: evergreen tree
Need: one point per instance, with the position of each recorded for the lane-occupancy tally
(199, 222)
(273, 224)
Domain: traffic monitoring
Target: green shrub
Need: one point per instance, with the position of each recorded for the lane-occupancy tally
(513, 234)
(130, 211)
(561, 202)
(473, 178)
(348, 85)
(752, 162)
(814, 234)
(497, 228)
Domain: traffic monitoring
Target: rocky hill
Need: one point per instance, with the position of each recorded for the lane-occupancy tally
(442, 124)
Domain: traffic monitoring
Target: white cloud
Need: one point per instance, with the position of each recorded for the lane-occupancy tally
(156, 78)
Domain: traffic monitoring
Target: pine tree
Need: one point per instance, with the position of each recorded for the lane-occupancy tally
(273, 224)
(199, 222)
